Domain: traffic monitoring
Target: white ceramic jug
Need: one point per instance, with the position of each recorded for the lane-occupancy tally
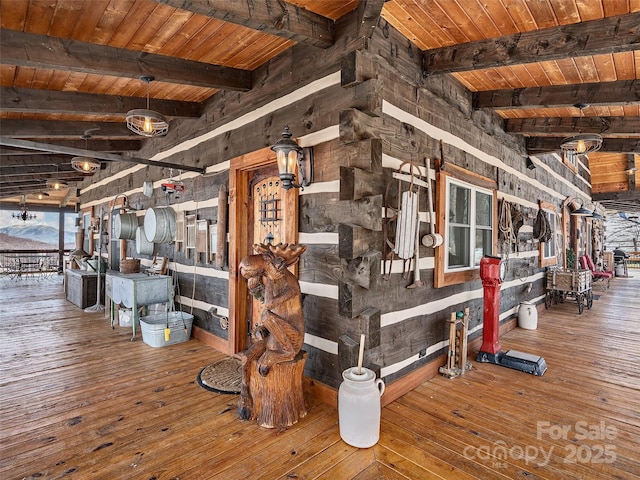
(359, 407)
(527, 316)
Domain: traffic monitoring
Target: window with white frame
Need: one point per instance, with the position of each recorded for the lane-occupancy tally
(469, 225)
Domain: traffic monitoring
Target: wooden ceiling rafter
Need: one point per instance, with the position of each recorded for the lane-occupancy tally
(539, 145)
(108, 145)
(584, 52)
(110, 157)
(66, 129)
(605, 126)
(41, 51)
(607, 35)
(77, 103)
(281, 19)
(623, 92)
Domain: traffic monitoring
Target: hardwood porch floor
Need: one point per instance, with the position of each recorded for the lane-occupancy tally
(80, 401)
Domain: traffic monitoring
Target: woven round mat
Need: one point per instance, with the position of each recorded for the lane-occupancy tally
(223, 376)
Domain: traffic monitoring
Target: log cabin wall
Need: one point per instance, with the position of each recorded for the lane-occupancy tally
(365, 107)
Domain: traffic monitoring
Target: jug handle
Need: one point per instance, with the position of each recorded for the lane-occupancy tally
(380, 385)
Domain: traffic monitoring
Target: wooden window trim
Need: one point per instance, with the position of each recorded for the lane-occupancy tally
(545, 262)
(569, 164)
(83, 212)
(440, 277)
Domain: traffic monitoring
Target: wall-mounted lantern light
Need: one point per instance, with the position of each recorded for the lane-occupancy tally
(289, 155)
(530, 164)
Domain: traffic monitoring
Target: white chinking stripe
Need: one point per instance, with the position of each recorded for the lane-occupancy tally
(321, 136)
(205, 272)
(392, 318)
(332, 186)
(558, 177)
(319, 289)
(326, 134)
(281, 102)
(391, 369)
(105, 181)
(182, 300)
(318, 238)
(321, 343)
(440, 134)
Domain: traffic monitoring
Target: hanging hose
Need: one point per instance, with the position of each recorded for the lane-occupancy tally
(505, 223)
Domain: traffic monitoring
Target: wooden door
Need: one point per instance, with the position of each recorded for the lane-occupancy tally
(266, 222)
(253, 204)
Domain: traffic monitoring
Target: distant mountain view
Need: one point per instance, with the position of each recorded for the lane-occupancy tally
(33, 236)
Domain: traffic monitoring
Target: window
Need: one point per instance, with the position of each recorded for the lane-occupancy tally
(570, 159)
(470, 225)
(466, 213)
(548, 251)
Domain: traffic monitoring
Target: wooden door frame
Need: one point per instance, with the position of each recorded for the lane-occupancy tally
(240, 172)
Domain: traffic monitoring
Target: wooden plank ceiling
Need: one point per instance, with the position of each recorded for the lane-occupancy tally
(72, 67)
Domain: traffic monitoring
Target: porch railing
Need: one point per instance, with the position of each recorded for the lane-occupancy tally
(21, 263)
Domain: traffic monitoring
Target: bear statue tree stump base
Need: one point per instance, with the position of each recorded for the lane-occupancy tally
(278, 398)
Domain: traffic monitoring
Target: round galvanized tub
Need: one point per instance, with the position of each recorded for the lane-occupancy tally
(160, 225)
(143, 245)
(124, 226)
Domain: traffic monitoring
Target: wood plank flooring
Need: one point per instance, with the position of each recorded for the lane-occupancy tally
(80, 401)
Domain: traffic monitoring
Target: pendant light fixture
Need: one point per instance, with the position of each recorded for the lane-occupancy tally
(24, 214)
(579, 209)
(57, 185)
(145, 122)
(581, 144)
(85, 164)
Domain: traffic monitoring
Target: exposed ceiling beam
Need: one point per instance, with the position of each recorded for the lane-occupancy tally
(621, 197)
(35, 165)
(275, 17)
(15, 171)
(12, 156)
(67, 176)
(368, 13)
(538, 145)
(28, 145)
(44, 207)
(626, 126)
(625, 92)
(40, 51)
(100, 145)
(65, 129)
(77, 103)
(595, 37)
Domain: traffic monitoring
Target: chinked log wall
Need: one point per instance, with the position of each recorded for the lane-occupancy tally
(377, 112)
